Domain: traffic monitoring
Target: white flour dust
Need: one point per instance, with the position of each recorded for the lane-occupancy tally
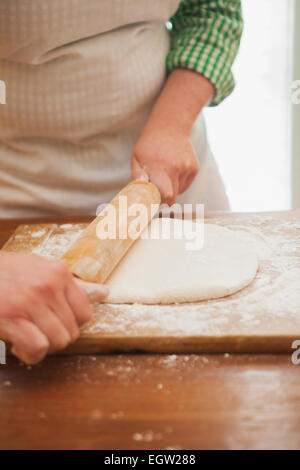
(272, 296)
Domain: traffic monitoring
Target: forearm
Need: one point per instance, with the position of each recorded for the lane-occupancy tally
(164, 152)
(205, 37)
(183, 97)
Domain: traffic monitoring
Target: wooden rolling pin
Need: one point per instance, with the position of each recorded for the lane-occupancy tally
(93, 257)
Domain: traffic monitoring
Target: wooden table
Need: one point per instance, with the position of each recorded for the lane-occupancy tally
(148, 401)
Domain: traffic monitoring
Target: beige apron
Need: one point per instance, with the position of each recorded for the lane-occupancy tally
(81, 79)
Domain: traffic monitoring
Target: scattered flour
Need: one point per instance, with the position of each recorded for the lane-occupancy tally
(38, 234)
(272, 297)
(7, 383)
(147, 436)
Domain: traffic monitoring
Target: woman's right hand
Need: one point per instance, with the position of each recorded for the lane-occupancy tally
(41, 305)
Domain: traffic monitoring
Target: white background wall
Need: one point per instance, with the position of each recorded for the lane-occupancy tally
(296, 112)
(250, 131)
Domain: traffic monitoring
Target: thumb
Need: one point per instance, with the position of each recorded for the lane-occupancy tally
(28, 343)
(138, 173)
(95, 292)
(164, 183)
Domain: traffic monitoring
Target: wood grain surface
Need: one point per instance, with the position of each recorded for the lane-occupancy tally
(146, 401)
(252, 320)
(151, 402)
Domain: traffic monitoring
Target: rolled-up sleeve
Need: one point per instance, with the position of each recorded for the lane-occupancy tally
(205, 37)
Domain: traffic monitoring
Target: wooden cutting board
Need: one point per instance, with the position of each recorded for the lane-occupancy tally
(263, 317)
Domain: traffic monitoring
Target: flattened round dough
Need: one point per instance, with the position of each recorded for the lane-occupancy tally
(163, 271)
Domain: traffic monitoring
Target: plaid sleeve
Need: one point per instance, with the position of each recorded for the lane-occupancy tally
(205, 37)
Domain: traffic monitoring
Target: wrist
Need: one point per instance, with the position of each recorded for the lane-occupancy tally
(169, 124)
(183, 97)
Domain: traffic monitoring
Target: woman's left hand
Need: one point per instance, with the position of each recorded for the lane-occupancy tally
(165, 155)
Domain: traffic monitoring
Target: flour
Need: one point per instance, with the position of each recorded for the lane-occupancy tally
(58, 241)
(147, 436)
(38, 234)
(272, 296)
(7, 383)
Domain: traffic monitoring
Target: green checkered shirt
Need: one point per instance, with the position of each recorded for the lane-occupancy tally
(205, 37)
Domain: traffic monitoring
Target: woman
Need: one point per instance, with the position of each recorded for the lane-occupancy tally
(88, 108)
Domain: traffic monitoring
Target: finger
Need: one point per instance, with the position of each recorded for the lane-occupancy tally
(183, 183)
(60, 306)
(78, 302)
(138, 173)
(29, 343)
(95, 292)
(188, 181)
(163, 182)
(184, 174)
(188, 175)
(51, 326)
(175, 190)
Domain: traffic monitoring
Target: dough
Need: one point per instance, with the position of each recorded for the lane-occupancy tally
(157, 270)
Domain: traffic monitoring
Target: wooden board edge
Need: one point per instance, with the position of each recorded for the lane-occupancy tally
(11, 245)
(231, 344)
(190, 345)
